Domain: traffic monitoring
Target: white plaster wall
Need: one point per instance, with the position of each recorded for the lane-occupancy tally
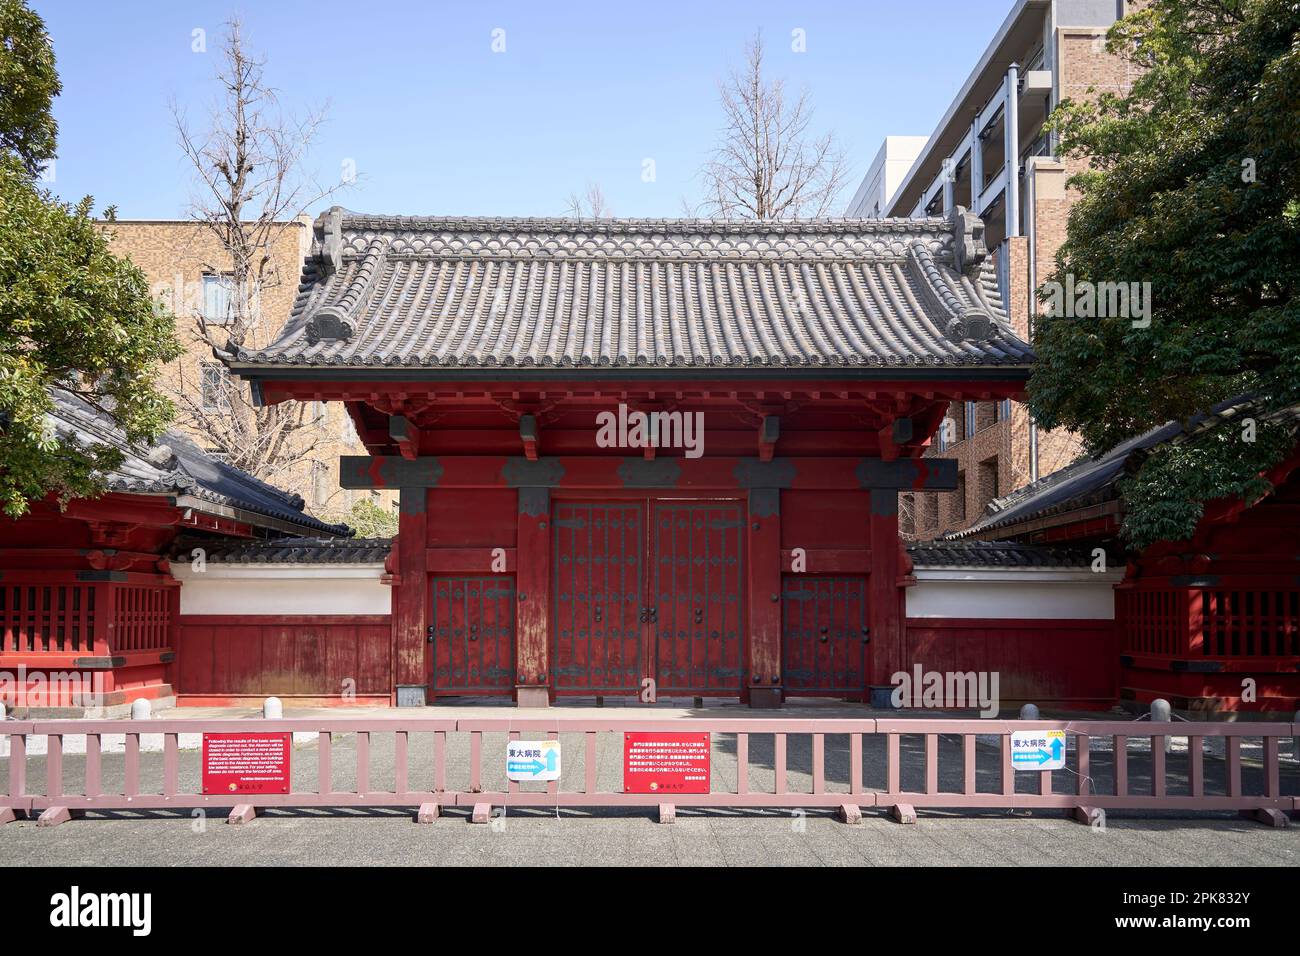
(284, 589)
(1036, 594)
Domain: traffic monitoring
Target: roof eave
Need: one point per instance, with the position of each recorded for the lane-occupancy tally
(255, 518)
(357, 373)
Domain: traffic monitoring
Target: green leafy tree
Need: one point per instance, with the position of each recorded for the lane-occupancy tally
(72, 314)
(28, 84)
(369, 520)
(1192, 184)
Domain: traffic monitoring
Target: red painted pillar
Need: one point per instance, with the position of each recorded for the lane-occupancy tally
(532, 594)
(173, 643)
(763, 563)
(411, 600)
(885, 597)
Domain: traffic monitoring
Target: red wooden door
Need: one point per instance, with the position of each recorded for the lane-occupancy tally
(596, 637)
(695, 606)
(823, 635)
(473, 635)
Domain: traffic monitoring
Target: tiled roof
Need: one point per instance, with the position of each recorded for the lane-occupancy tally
(1087, 481)
(443, 293)
(293, 551)
(994, 554)
(176, 466)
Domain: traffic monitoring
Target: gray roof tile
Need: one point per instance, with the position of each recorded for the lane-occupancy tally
(291, 551)
(1090, 480)
(995, 554)
(174, 465)
(421, 292)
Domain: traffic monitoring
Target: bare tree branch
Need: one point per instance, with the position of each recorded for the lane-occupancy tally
(251, 188)
(590, 205)
(769, 166)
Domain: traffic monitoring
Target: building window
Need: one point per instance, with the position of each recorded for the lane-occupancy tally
(1004, 410)
(969, 420)
(907, 515)
(218, 298)
(987, 489)
(214, 387)
(929, 511)
(954, 424)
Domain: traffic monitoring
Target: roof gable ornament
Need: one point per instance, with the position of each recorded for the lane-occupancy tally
(329, 325)
(968, 247)
(327, 240)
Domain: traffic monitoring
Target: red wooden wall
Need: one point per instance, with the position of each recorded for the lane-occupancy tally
(1069, 664)
(225, 658)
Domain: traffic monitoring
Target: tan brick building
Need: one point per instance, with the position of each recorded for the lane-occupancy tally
(189, 271)
(1045, 51)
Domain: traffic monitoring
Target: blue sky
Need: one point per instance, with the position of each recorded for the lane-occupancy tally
(437, 123)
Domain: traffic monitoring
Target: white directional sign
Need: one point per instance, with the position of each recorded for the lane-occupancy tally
(1038, 749)
(533, 760)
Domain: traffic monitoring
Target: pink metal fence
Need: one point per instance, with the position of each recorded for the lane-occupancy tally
(905, 776)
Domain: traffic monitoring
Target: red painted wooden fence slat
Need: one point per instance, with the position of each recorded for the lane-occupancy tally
(1265, 801)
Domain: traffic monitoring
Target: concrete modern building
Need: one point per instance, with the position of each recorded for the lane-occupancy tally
(885, 175)
(989, 154)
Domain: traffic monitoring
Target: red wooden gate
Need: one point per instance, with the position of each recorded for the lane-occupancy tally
(473, 635)
(596, 644)
(824, 635)
(695, 611)
(633, 602)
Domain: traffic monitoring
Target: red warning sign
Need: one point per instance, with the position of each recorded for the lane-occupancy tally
(246, 763)
(665, 763)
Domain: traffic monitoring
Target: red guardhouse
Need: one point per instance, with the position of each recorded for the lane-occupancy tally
(89, 603)
(644, 457)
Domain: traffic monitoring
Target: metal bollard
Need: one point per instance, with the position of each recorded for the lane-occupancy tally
(1029, 712)
(1162, 713)
(141, 709)
(272, 709)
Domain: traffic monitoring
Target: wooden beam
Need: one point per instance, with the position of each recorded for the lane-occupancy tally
(528, 435)
(533, 585)
(410, 600)
(580, 472)
(407, 435)
(763, 567)
(768, 433)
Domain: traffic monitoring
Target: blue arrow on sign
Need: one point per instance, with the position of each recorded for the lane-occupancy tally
(531, 766)
(1056, 748)
(550, 760)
